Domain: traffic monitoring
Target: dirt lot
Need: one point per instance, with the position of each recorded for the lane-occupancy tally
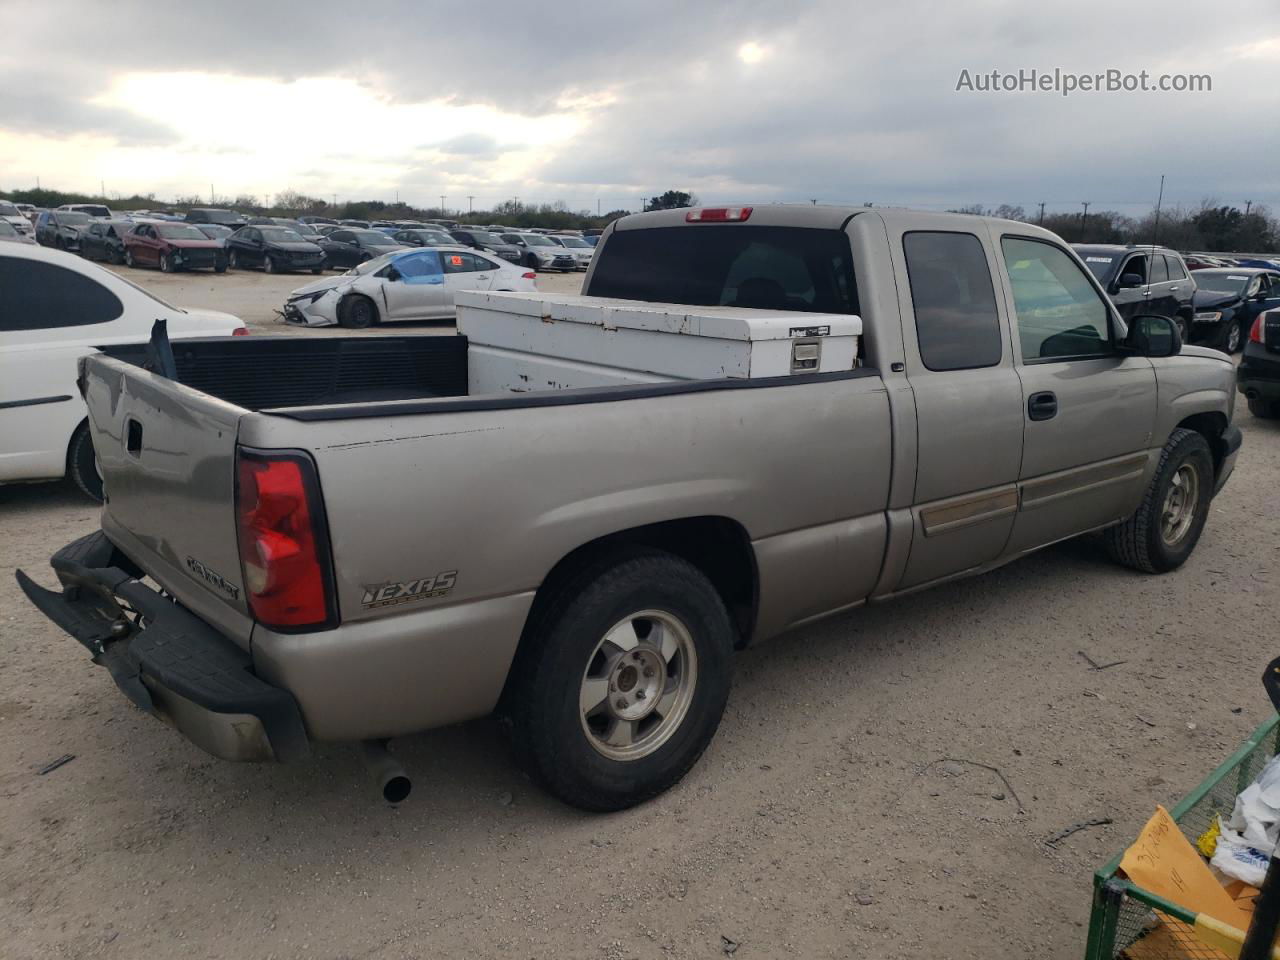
(821, 823)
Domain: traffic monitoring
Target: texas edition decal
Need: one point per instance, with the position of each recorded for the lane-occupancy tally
(424, 588)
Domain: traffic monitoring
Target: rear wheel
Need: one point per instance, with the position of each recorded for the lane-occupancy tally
(621, 681)
(357, 312)
(82, 464)
(268, 265)
(1167, 525)
(233, 260)
(114, 256)
(220, 266)
(1265, 409)
(1184, 328)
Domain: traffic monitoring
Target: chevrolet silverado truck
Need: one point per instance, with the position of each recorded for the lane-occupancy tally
(335, 541)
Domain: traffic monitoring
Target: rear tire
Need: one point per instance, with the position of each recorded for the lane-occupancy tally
(1229, 338)
(82, 464)
(1184, 328)
(268, 265)
(233, 261)
(1166, 527)
(357, 312)
(658, 701)
(1265, 409)
(220, 266)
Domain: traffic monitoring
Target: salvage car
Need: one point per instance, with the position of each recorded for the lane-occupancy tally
(857, 403)
(54, 309)
(345, 247)
(541, 253)
(12, 215)
(581, 250)
(1144, 280)
(9, 235)
(484, 240)
(172, 247)
(1258, 375)
(61, 229)
(227, 218)
(418, 237)
(405, 285)
(274, 250)
(104, 240)
(1229, 300)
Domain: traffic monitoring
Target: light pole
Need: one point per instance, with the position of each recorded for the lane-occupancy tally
(1083, 219)
(443, 211)
(470, 198)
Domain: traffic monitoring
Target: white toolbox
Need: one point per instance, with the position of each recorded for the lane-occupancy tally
(523, 342)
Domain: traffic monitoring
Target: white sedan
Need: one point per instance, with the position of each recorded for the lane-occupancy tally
(416, 284)
(54, 309)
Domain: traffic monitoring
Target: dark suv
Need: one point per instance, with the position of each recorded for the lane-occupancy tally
(1142, 280)
(484, 240)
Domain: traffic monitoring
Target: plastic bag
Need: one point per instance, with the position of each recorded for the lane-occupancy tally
(1248, 837)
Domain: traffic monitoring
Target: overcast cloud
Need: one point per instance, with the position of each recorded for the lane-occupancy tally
(835, 101)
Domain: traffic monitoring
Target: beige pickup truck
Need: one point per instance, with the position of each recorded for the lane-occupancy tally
(337, 540)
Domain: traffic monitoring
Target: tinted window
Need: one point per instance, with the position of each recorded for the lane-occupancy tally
(282, 235)
(1060, 314)
(1136, 265)
(955, 304)
(1175, 268)
(1159, 272)
(40, 296)
(344, 236)
(777, 268)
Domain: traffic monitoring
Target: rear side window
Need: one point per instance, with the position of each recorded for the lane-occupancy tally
(465, 263)
(770, 268)
(957, 325)
(1175, 268)
(42, 296)
(1159, 272)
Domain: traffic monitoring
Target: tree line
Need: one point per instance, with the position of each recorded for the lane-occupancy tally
(1211, 226)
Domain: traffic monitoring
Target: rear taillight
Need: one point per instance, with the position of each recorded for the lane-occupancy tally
(718, 215)
(529, 276)
(284, 542)
(1256, 332)
(240, 332)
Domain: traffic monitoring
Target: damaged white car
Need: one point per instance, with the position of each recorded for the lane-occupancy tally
(406, 285)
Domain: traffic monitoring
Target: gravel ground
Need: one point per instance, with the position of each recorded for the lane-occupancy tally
(826, 820)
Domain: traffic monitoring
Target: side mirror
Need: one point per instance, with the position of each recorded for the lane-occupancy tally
(1153, 336)
(1129, 280)
(393, 274)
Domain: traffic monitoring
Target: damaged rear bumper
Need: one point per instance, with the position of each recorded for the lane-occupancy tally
(165, 659)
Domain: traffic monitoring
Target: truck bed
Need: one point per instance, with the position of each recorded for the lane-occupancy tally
(265, 373)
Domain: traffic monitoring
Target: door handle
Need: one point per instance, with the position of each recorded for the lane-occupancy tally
(1042, 406)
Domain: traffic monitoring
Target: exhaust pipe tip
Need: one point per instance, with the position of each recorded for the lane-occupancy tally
(388, 776)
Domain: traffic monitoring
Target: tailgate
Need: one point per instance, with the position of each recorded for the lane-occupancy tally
(167, 456)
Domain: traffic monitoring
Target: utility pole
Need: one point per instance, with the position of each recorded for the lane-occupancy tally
(211, 193)
(1155, 228)
(1041, 220)
(597, 206)
(443, 211)
(470, 198)
(102, 185)
(397, 198)
(1083, 218)
(1248, 204)
(335, 199)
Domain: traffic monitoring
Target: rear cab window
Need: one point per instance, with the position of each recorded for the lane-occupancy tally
(957, 323)
(760, 267)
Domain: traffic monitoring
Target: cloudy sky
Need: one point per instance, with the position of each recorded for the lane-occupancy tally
(586, 102)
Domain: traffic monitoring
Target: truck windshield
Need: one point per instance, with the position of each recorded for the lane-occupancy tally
(769, 268)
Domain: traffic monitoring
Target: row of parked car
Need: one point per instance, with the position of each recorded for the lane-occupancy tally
(216, 239)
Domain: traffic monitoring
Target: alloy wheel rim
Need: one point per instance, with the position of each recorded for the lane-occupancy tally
(1233, 338)
(638, 684)
(1180, 503)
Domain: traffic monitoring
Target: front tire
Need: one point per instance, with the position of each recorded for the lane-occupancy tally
(357, 313)
(128, 259)
(268, 265)
(1184, 328)
(82, 464)
(166, 265)
(621, 681)
(1229, 338)
(1166, 527)
(233, 261)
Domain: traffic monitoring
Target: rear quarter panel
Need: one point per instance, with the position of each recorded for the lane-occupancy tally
(499, 497)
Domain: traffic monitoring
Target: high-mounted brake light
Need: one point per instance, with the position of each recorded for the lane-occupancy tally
(284, 541)
(718, 215)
